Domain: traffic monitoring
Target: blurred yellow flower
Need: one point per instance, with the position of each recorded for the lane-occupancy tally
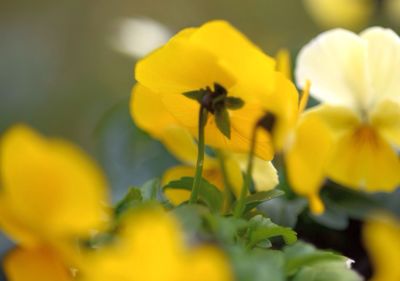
(197, 58)
(150, 246)
(382, 240)
(356, 127)
(51, 193)
(351, 14)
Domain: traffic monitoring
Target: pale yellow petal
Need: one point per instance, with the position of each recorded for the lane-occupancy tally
(265, 176)
(364, 160)
(381, 237)
(341, 78)
(234, 173)
(383, 66)
(35, 264)
(307, 159)
(41, 181)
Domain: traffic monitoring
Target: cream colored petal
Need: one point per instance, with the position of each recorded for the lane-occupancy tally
(383, 62)
(265, 175)
(335, 64)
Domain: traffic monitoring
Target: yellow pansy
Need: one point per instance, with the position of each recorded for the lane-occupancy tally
(180, 143)
(351, 14)
(150, 246)
(51, 193)
(197, 58)
(382, 240)
(356, 127)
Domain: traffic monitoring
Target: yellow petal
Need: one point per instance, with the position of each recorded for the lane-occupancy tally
(233, 173)
(381, 237)
(342, 78)
(208, 263)
(41, 181)
(383, 67)
(35, 264)
(284, 104)
(148, 111)
(351, 14)
(181, 66)
(339, 120)
(364, 160)
(307, 159)
(211, 173)
(236, 53)
(385, 118)
(177, 196)
(284, 63)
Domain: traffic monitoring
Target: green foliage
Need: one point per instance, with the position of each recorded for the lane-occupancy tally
(208, 193)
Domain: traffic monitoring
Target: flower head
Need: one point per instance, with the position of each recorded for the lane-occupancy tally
(355, 129)
(149, 246)
(51, 193)
(224, 67)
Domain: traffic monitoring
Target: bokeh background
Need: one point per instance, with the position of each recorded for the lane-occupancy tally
(64, 71)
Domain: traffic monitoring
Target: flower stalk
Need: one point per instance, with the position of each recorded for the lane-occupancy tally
(200, 156)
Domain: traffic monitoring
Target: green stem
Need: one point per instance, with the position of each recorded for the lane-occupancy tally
(200, 155)
(227, 184)
(248, 176)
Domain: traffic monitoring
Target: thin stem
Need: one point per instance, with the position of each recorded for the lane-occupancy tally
(227, 184)
(200, 155)
(247, 179)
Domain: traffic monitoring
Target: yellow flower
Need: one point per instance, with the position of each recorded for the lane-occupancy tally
(351, 14)
(149, 246)
(351, 136)
(382, 240)
(177, 139)
(50, 194)
(197, 58)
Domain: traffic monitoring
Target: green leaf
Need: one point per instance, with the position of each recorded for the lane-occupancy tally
(302, 254)
(283, 211)
(256, 199)
(208, 192)
(226, 228)
(223, 121)
(150, 189)
(327, 271)
(132, 198)
(261, 228)
(196, 95)
(234, 103)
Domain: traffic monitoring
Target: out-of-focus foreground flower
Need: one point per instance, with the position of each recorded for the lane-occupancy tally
(51, 195)
(201, 58)
(149, 246)
(357, 120)
(382, 240)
